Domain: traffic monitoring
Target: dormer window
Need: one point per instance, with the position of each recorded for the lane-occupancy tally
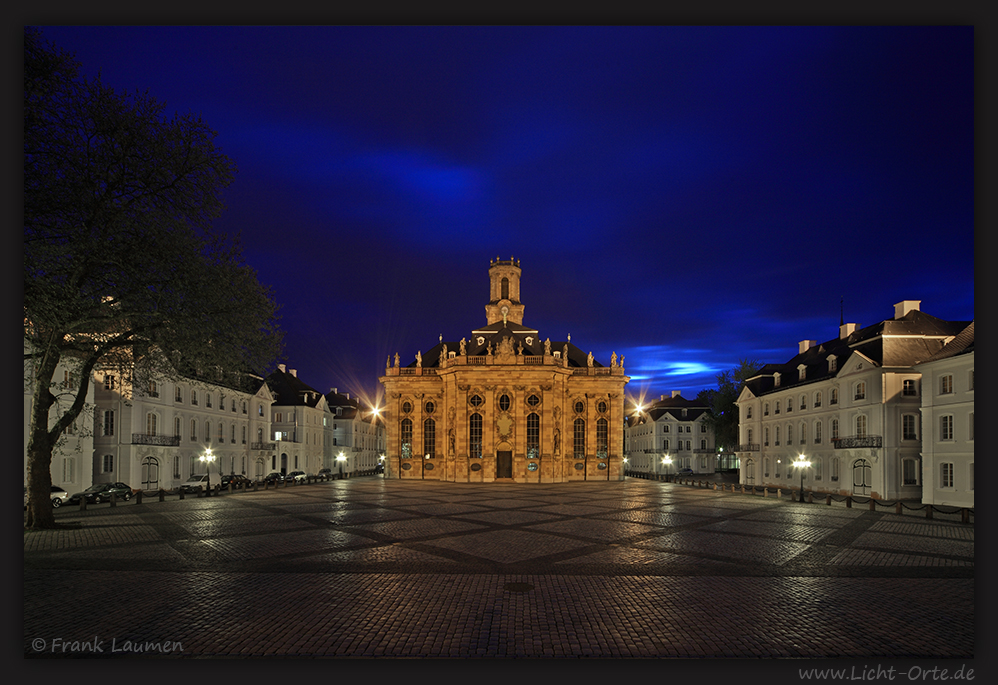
(833, 363)
(801, 372)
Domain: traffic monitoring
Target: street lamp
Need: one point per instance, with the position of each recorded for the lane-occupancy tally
(206, 459)
(666, 461)
(340, 458)
(801, 464)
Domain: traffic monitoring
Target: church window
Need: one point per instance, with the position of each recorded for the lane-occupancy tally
(475, 435)
(579, 438)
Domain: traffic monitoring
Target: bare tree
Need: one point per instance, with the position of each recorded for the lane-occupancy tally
(121, 267)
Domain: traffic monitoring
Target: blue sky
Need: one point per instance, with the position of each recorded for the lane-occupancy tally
(684, 196)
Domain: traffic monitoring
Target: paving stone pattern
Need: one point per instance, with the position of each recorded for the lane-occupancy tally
(369, 567)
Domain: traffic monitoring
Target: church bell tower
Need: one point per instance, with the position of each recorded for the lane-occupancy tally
(504, 288)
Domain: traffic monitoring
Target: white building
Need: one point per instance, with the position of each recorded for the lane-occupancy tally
(850, 406)
(72, 455)
(357, 436)
(948, 423)
(300, 419)
(151, 433)
(668, 436)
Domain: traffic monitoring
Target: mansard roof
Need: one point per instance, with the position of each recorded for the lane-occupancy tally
(963, 343)
(289, 390)
(893, 343)
(670, 407)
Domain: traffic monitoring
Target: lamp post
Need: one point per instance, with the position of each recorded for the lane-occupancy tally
(206, 459)
(800, 464)
(340, 458)
(667, 460)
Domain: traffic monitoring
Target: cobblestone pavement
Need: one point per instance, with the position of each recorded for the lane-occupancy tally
(373, 568)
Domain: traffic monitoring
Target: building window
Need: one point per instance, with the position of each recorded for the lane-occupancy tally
(835, 468)
(748, 435)
(504, 402)
(833, 396)
(946, 384)
(776, 407)
(430, 438)
(602, 442)
(68, 469)
(176, 466)
(860, 426)
(259, 410)
(278, 417)
(108, 427)
(207, 431)
(817, 399)
(579, 438)
(909, 472)
(909, 388)
(833, 363)
(194, 430)
(835, 429)
(533, 436)
(970, 382)
(665, 428)
(665, 444)
(765, 439)
(179, 397)
(777, 468)
(232, 435)
(107, 463)
(259, 436)
(970, 475)
(194, 397)
(579, 407)
(748, 412)
(908, 427)
(176, 428)
(817, 432)
(803, 433)
(765, 467)
(816, 465)
(475, 435)
(703, 443)
(244, 435)
(234, 405)
(765, 409)
(803, 401)
(533, 400)
(153, 389)
(970, 426)
(221, 433)
(790, 435)
(776, 434)
(860, 393)
(946, 427)
(108, 381)
(946, 475)
(406, 438)
(790, 405)
(207, 399)
(150, 424)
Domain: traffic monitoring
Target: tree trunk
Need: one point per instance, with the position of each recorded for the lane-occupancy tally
(39, 469)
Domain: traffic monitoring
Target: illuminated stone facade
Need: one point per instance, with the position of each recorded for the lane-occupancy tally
(504, 404)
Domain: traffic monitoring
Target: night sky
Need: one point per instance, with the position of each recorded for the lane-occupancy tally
(685, 196)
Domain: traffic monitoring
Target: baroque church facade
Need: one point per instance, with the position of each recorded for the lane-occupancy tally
(504, 404)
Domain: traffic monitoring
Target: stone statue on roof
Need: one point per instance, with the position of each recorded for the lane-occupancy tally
(463, 343)
(547, 346)
(589, 359)
(613, 359)
(419, 358)
(396, 360)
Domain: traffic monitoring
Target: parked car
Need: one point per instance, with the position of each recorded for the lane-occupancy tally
(59, 496)
(101, 492)
(274, 477)
(238, 480)
(685, 472)
(297, 476)
(380, 467)
(194, 484)
(324, 473)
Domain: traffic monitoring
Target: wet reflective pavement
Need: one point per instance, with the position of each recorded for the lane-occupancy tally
(374, 568)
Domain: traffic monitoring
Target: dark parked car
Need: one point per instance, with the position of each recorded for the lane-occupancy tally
(380, 468)
(101, 492)
(685, 472)
(273, 478)
(324, 473)
(240, 481)
(194, 484)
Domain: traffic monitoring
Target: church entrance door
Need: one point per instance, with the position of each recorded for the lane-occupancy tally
(504, 464)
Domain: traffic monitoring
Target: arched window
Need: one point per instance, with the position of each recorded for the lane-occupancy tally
(579, 438)
(176, 428)
(430, 438)
(602, 442)
(207, 431)
(194, 430)
(533, 436)
(475, 435)
(406, 438)
(504, 295)
(150, 424)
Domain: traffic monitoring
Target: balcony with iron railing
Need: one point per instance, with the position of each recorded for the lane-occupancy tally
(749, 447)
(263, 446)
(854, 441)
(158, 440)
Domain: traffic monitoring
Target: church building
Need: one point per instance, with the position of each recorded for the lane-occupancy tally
(504, 404)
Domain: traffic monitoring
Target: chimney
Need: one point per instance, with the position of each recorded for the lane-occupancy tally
(847, 329)
(905, 306)
(804, 345)
(347, 395)
(661, 397)
(280, 367)
(335, 391)
(677, 393)
(293, 372)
